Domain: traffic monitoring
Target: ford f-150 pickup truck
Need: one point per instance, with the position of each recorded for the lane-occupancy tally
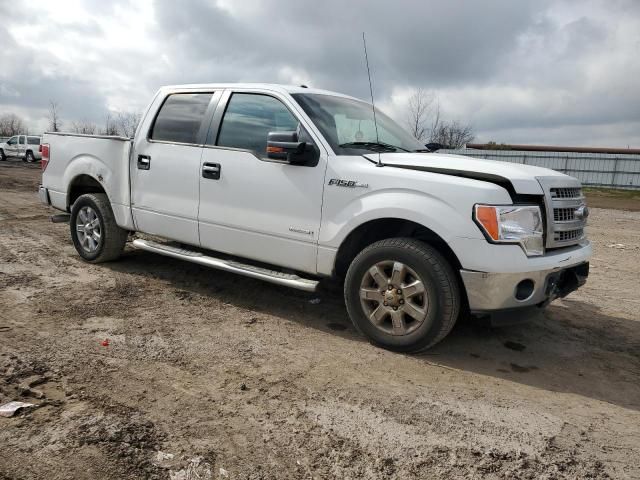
(293, 185)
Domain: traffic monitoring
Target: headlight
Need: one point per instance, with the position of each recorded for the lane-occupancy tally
(521, 224)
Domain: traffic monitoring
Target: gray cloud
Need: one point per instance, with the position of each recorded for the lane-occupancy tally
(527, 70)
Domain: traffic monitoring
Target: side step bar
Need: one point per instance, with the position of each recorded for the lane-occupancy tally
(272, 276)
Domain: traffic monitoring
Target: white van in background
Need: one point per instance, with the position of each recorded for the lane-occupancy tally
(26, 147)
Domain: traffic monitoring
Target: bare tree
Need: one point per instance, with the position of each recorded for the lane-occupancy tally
(55, 124)
(11, 124)
(420, 111)
(452, 134)
(110, 126)
(84, 127)
(127, 123)
(425, 122)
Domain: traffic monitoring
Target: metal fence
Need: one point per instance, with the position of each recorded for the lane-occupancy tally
(592, 169)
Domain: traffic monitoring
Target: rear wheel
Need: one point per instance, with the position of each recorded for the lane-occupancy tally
(402, 294)
(95, 233)
(29, 157)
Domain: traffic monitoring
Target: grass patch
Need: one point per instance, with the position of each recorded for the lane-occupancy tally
(612, 192)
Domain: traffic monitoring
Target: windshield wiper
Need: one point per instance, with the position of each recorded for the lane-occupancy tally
(375, 146)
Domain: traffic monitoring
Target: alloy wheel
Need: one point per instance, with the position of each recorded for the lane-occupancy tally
(394, 298)
(89, 229)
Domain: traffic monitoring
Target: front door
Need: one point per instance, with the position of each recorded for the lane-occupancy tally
(251, 206)
(11, 150)
(165, 168)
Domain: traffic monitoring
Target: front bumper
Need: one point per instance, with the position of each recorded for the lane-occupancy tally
(489, 293)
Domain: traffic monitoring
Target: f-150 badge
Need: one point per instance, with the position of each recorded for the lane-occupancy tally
(347, 183)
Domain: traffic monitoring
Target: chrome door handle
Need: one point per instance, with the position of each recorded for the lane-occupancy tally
(144, 162)
(211, 170)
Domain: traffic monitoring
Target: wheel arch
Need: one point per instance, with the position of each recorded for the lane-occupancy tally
(81, 184)
(389, 227)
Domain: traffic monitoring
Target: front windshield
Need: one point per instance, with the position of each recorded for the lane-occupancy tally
(348, 126)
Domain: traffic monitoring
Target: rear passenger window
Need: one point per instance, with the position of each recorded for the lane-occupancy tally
(180, 117)
(33, 140)
(248, 120)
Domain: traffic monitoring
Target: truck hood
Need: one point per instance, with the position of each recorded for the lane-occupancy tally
(514, 177)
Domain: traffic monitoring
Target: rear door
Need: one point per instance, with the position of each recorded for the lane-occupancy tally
(165, 169)
(251, 206)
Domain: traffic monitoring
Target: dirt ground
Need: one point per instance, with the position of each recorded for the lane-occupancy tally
(208, 375)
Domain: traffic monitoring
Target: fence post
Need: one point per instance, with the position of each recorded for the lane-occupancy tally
(524, 159)
(615, 172)
(566, 164)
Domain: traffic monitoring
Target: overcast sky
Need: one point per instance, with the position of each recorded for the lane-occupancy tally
(555, 72)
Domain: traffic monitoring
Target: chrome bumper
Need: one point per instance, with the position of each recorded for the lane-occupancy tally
(488, 292)
(43, 195)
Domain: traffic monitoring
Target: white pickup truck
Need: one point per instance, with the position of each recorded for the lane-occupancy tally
(294, 185)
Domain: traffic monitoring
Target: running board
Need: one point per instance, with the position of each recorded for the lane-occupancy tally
(272, 276)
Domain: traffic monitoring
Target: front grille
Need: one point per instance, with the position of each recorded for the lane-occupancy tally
(563, 214)
(566, 192)
(569, 235)
(562, 198)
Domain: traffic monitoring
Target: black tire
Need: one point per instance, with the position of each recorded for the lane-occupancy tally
(3, 157)
(441, 288)
(111, 239)
(29, 158)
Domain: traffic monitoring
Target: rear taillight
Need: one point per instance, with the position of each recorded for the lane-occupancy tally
(44, 149)
(40, 148)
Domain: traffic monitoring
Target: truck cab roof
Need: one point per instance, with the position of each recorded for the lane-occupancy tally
(275, 87)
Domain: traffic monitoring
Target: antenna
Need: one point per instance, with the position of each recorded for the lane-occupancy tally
(373, 106)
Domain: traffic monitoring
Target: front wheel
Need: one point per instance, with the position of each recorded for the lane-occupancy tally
(94, 231)
(3, 157)
(402, 294)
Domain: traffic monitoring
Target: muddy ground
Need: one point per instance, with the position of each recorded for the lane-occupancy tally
(211, 375)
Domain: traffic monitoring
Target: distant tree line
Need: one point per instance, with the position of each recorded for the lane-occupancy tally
(497, 146)
(424, 121)
(115, 123)
(11, 124)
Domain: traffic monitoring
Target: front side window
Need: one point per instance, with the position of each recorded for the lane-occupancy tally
(180, 117)
(348, 125)
(33, 140)
(12, 141)
(248, 120)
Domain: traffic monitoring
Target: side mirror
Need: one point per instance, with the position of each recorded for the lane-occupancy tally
(288, 147)
(285, 146)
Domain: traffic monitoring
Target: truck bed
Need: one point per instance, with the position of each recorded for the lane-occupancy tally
(74, 157)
